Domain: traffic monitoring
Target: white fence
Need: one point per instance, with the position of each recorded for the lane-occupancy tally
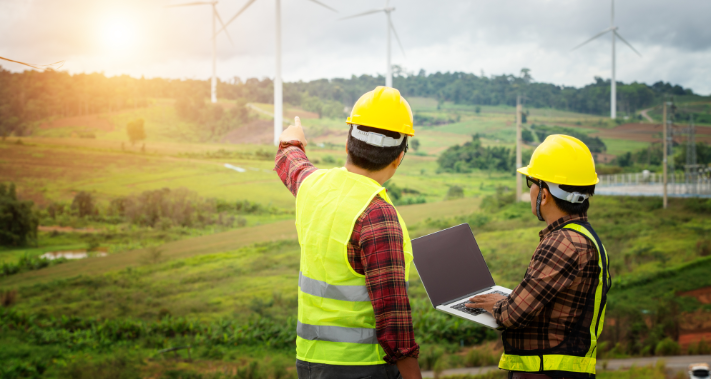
(692, 183)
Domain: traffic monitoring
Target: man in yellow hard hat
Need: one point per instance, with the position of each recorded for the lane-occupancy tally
(552, 321)
(354, 318)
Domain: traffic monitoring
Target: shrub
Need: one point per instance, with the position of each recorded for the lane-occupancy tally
(667, 347)
(8, 298)
(482, 356)
(430, 356)
(18, 221)
(119, 366)
(703, 247)
(472, 155)
(455, 192)
(136, 131)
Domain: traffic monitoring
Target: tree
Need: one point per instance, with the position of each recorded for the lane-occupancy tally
(83, 204)
(415, 144)
(135, 130)
(526, 136)
(18, 222)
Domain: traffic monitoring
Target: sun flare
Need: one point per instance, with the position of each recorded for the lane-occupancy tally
(118, 34)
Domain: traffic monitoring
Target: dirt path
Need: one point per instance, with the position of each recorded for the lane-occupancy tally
(675, 363)
(645, 115)
(210, 244)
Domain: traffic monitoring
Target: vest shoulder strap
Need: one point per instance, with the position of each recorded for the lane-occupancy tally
(586, 230)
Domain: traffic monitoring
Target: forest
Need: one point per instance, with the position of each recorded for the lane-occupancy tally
(31, 96)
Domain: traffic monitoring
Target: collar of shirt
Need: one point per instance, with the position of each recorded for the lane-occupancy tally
(561, 221)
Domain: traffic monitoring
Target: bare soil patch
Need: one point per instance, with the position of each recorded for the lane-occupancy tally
(645, 132)
(257, 131)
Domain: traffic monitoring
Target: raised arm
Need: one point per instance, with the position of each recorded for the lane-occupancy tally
(291, 163)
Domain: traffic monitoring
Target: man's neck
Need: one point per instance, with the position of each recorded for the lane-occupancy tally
(552, 215)
(381, 176)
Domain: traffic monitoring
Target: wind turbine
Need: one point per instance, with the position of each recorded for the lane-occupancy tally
(387, 10)
(215, 16)
(613, 83)
(278, 94)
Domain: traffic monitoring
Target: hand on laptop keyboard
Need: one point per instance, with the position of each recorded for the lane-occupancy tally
(462, 307)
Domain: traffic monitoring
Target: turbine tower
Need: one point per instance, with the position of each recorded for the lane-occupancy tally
(278, 94)
(215, 16)
(390, 28)
(613, 83)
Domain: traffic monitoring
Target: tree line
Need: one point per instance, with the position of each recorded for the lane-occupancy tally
(30, 96)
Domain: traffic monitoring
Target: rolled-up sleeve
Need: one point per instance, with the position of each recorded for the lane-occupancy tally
(292, 165)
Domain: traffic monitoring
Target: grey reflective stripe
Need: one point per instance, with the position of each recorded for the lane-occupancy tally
(336, 334)
(322, 289)
(347, 293)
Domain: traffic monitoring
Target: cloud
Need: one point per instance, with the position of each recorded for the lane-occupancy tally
(447, 35)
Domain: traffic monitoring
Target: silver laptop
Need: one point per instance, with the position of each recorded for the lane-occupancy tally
(452, 270)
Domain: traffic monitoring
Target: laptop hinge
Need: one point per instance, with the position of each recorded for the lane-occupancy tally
(466, 296)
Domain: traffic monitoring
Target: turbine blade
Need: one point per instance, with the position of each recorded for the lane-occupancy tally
(596, 35)
(323, 5)
(626, 43)
(397, 38)
(244, 8)
(363, 14)
(223, 28)
(188, 4)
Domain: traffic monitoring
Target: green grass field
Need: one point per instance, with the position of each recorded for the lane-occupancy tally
(212, 274)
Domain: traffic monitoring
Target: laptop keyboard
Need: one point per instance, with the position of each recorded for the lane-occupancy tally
(473, 311)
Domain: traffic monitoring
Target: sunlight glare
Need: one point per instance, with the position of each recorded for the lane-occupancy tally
(119, 34)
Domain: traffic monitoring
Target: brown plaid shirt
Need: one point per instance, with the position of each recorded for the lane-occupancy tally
(542, 310)
(374, 250)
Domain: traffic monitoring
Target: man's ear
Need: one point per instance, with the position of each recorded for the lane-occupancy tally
(545, 196)
(396, 162)
(346, 147)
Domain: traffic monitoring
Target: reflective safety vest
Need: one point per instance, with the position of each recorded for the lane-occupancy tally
(336, 321)
(563, 359)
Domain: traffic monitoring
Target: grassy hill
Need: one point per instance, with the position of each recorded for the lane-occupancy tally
(229, 290)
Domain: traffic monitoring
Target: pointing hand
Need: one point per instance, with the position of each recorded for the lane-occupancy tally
(294, 133)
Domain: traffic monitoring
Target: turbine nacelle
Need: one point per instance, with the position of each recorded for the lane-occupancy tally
(390, 28)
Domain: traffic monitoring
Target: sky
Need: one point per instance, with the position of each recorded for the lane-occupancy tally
(493, 37)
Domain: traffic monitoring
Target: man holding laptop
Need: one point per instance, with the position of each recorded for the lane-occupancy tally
(552, 320)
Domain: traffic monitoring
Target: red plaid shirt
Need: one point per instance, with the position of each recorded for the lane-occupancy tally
(374, 250)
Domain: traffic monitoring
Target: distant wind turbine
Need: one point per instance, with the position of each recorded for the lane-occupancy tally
(613, 84)
(215, 15)
(278, 94)
(387, 10)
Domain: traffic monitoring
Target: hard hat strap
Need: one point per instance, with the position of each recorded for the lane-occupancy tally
(571, 197)
(538, 201)
(375, 139)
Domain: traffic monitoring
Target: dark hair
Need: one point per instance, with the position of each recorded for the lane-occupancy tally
(373, 158)
(573, 208)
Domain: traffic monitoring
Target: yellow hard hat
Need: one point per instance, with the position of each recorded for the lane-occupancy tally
(383, 108)
(562, 159)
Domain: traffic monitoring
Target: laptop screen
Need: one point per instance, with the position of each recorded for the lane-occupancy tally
(450, 264)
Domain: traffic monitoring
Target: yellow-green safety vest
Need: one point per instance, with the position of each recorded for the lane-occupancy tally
(336, 321)
(561, 360)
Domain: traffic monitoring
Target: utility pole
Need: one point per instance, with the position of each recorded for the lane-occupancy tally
(519, 181)
(664, 147)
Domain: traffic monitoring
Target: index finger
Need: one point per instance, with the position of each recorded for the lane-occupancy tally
(297, 122)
